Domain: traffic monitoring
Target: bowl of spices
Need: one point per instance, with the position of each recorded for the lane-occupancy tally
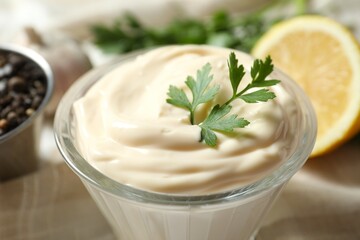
(26, 86)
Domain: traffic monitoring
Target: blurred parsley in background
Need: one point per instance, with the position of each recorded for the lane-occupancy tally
(127, 33)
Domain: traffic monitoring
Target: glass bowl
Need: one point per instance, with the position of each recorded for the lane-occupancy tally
(143, 215)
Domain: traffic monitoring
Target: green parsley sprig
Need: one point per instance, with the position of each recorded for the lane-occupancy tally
(218, 120)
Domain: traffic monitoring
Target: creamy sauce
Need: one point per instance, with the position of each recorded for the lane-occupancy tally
(126, 130)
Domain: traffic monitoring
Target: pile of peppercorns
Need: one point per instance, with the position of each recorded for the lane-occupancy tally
(22, 89)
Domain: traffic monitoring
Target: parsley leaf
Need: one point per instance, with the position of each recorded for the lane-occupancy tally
(236, 73)
(178, 98)
(261, 95)
(216, 121)
(199, 87)
(201, 92)
(259, 72)
(208, 136)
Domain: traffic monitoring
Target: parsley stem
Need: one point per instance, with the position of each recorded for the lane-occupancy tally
(230, 100)
(235, 96)
(243, 91)
(192, 117)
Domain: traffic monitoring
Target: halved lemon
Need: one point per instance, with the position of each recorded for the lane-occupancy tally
(323, 57)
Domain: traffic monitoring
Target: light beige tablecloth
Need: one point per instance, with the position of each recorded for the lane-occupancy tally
(322, 201)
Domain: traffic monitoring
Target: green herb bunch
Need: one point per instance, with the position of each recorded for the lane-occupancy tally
(128, 33)
(240, 32)
(219, 120)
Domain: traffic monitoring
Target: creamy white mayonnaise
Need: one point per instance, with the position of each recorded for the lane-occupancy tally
(126, 130)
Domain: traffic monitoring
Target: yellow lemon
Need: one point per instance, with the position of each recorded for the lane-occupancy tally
(323, 57)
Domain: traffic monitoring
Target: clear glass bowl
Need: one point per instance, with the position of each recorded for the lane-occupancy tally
(135, 214)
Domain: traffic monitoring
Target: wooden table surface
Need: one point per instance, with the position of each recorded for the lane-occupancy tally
(322, 201)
